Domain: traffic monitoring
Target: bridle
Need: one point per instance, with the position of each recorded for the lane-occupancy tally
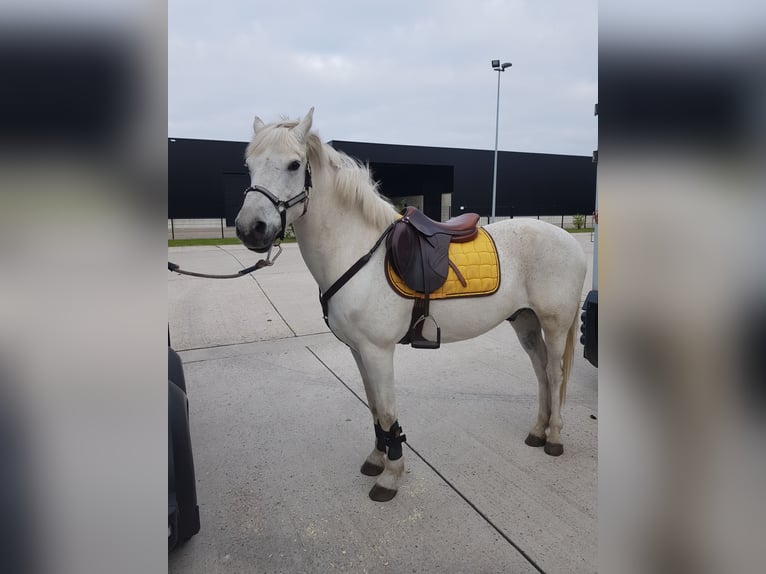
(283, 206)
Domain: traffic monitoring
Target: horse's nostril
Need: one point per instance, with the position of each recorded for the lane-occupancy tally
(260, 227)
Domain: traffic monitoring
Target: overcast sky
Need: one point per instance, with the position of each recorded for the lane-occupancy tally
(399, 72)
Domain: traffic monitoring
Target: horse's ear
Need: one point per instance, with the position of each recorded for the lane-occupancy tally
(257, 124)
(302, 129)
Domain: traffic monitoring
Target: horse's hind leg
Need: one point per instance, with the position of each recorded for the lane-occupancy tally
(556, 336)
(375, 462)
(377, 368)
(528, 330)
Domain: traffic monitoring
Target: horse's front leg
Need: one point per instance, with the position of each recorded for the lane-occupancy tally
(374, 464)
(377, 369)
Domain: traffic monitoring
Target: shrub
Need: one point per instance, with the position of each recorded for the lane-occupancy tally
(578, 221)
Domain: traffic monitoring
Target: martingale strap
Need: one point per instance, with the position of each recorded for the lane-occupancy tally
(324, 298)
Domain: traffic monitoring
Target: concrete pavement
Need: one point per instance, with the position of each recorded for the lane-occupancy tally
(279, 432)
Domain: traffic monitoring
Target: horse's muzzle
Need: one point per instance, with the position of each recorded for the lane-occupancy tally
(256, 237)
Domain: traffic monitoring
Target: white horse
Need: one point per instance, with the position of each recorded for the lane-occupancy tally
(338, 216)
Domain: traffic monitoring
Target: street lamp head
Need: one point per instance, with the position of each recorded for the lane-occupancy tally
(506, 65)
(495, 63)
(498, 67)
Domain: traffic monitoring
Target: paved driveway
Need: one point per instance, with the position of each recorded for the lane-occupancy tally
(279, 431)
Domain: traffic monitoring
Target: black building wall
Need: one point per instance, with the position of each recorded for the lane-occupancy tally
(206, 178)
(527, 183)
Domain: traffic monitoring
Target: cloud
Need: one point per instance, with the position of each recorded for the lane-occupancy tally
(401, 72)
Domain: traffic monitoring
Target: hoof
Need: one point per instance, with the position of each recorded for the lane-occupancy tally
(554, 449)
(533, 440)
(381, 494)
(369, 469)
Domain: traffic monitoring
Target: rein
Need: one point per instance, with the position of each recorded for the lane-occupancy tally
(324, 298)
(241, 273)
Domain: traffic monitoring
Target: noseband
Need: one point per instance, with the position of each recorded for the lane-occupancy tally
(283, 206)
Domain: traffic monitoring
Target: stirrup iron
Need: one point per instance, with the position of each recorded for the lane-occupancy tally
(416, 334)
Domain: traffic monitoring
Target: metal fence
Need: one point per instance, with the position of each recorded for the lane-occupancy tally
(216, 227)
(199, 228)
(563, 221)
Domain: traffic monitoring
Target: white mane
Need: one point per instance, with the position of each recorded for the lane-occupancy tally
(353, 180)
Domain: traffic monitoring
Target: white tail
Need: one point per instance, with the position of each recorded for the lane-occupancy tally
(568, 358)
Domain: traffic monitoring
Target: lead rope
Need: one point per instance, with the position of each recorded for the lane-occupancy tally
(241, 273)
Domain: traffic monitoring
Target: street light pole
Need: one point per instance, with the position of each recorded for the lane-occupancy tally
(498, 67)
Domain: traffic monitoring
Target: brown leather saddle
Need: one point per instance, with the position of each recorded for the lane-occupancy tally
(418, 250)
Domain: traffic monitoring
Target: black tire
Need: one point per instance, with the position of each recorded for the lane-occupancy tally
(176, 369)
(183, 512)
(589, 328)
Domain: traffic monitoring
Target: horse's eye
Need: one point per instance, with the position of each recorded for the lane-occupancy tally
(294, 165)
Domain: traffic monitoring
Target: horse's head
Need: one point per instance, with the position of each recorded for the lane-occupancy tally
(280, 179)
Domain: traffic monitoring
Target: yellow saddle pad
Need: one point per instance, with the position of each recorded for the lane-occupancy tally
(477, 262)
